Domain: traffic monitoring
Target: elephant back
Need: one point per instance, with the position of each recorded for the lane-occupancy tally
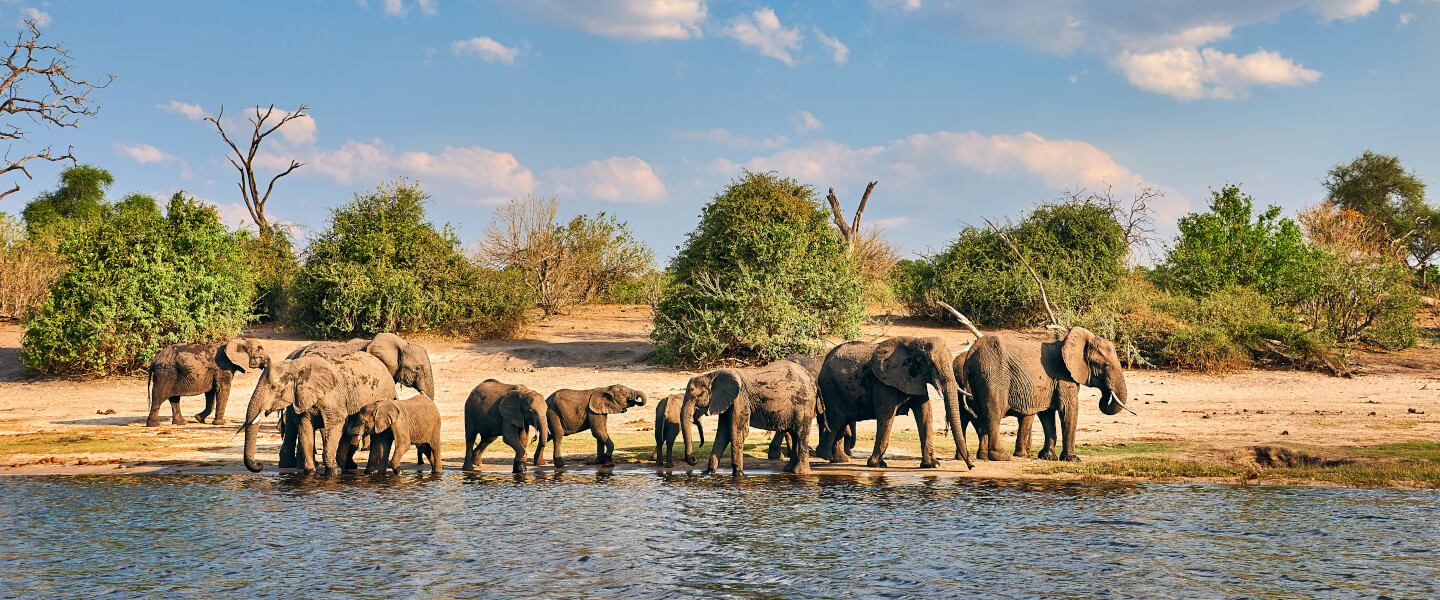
(781, 393)
(842, 380)
(993, 366)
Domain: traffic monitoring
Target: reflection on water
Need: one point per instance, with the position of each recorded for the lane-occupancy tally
(665, 536)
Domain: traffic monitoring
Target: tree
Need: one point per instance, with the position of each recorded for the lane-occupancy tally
(79, 199)
(61, 102)
(244, 162)
(1231, 246)
(1379, 187)
(849, 232)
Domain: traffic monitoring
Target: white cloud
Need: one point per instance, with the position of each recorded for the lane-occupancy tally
(300, 130)
(191, 111)
(487, 49)
(496, 176)
(41, 19)
(615, 179)
(762, 31)
(1406, 18)
(623, 19)
(838, 50)
(143, 153)
(805, 122)
(725, 137)
(1188, 74)
(892, 222)
(399, 8)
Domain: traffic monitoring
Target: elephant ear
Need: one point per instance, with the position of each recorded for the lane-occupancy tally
(386, 347)
(238, 355)
(385, 416)
(607, 401)
(317, 379)
(897, 362)
(725, 389)
(1073, 354)
(512, 407)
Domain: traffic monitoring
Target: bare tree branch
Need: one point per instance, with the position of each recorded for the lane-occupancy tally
(863, 201)
(839, 215)
(850, 232)
(66, 99)
(244, 162)
(963, 321)
(1043, 297)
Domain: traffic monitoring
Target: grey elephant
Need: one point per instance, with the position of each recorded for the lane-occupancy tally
(778, 448)
(323, 393)
(573, 411)
(779, 397)
(1010, 375)
(408, 364)
(861, 381)
(395, 425)
(496, 409)
(191, 369)
(667, 427)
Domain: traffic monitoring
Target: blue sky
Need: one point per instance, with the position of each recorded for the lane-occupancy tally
(961, 109)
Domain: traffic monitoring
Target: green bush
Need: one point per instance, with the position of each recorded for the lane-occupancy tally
(762, 276)
(1075, 247)
(1230, 246)
(135, 282)
(637, 289)
(273, 263)
(381, 266)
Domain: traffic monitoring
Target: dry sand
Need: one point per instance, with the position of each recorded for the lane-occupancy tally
(54, 425)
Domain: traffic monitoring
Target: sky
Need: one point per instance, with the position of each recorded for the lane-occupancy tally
(645, 109)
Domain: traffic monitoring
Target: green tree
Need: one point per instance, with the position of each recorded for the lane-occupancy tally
(763, 275)
(1379, 187)
(1231, 246)
(80, 199)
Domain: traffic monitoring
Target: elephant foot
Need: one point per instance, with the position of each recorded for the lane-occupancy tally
(877, 462)
(179, 421)
(218, 421)
(690, 460)
(308, 471)
(708, 471)
(517, 468)
(774, 455)
(152, 422)
(933, 464)
(1025, 454)
(669, 464)
(959, 456)
(467, 468)
(200, 418)
(539, 462)
(559, 463)
(997, 455)
(1069, 457)
(1048, 454)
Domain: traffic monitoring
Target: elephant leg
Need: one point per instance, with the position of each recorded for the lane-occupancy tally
(175, 417)
(517, 439)
(432, 450)
(469, 464)
(604, 447)
(157, 398)
(800, 443)
(884, 418)
(992, 439)
(222, 398)
(774, 451)
(1047, 423)
(659, 439)
(209, 407)
(556, 432)
(722, 441)
(289, 435)
(479, 452)
(1022, 436)
(306, 439)
(741, 428)
(330, 438)
(376, 460)
(923, 420)
(829, 448)
(1068, 420)
(400, 447)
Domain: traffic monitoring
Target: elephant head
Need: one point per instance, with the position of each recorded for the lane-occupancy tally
(524, 407)
(408, 362)
(614, 399)
(299, 383)
(373, 418)
(909, 363)
(709, 394)
(1092, 362)
(243, 354)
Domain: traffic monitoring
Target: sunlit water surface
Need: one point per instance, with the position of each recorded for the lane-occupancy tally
(662, 536)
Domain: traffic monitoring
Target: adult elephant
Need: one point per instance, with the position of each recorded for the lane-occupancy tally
(812, 365)
(861, 381)
(496, 409)
(569, 412)
(779, 397)
(1010, 375)
(319, 390)
(191, 369)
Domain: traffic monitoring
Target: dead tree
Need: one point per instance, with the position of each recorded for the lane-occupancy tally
(850, 232)
(244, 161)
(61, 103)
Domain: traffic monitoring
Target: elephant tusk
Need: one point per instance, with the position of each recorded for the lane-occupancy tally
(242, 427)
(1127, 409)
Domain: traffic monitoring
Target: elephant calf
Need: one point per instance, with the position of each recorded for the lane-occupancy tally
(190, 369)
(496, 409)
(396, 424)
(667, 426)
(573, 411)
(779, 397)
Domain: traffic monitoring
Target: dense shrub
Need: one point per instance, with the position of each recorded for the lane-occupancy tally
(875, 258)
(381, 266)
(135, 282)
(26, 269)
(273, 263)
(1075, 247)
(79, 199)
(645, 288)
(1230, 246)
(763, 275)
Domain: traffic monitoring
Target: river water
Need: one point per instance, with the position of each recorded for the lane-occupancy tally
(626, 535)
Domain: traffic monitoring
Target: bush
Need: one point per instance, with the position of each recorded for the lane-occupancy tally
(638, 289)
(763, 275)
(136, 282)
(26, 270)
(1075, 247)
(1230, 246)
(381, 266)
(875, 258)
(273, 262)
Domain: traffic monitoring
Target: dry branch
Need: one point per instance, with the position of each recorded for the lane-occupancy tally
(964, 321)
(244, 162)
(849, 231)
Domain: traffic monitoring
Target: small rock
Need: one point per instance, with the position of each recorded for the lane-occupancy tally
(1416, 412)
(1287, 432)
(108, 411)
(1204, 416)
(1372, 413)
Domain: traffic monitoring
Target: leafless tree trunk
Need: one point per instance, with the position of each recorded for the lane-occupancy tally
(244, 161)
(850, 232)
(62, 102)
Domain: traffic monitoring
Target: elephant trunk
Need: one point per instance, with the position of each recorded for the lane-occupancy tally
(543, 428)
(252, 430)
(427, 384)
(950, 387)
(687, 416)
(1112, 398)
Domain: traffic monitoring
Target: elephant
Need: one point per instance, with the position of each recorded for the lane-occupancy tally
(811, 366)
(396, 424)
(190, 369)
(1010, 375)
(573, 411)
(323, 393)
(861, 381)
(408, 364)
(502, 410)
(779, 397)
(667, 426)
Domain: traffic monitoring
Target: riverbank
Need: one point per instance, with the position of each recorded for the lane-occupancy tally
(1379, 428)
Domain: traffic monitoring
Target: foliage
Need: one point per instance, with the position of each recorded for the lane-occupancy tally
(1378, 186)
(875, 257)
(1230, 246)
(381, 266)
(26, 269)
(273, 262)
(1075, 247)
(762, 275)
(564, 265)
(645, 288)
(137, 282)
(79, 199)
(1356, 283)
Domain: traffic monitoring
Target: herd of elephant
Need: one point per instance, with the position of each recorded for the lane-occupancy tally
(346, 392)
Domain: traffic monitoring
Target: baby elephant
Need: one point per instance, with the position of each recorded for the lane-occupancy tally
(574, 411)
(400, 423)
(667, 426)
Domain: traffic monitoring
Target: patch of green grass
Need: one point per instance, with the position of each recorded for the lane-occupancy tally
(1119, 448)
(61, 443)
(1358, 474)
(1425, 451)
